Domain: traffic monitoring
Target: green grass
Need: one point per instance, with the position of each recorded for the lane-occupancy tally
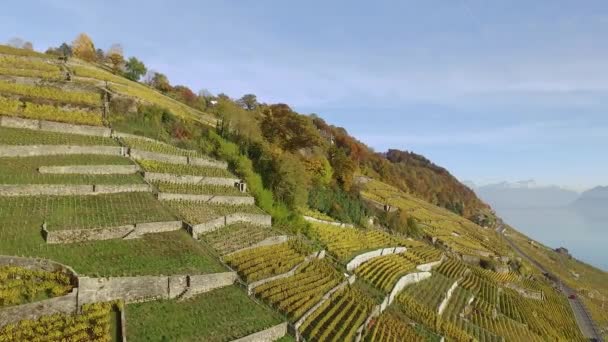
(198, 212)
(286, 338)
(84, 212)
(198, 189)
(24, 170)
(180, 169)
(220, 315)
(237, 236)
(164, 253)
(20, 136)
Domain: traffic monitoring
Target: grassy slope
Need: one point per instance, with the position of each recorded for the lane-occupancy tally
(220, 315)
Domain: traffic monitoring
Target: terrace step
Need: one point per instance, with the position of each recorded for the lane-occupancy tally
(267, 335)
(53, 150)
(214, 199)
(125, 232)
(90, 169)
(14, 190)
(51, 126)
(175, 159)
(186, 179)
(222, 221)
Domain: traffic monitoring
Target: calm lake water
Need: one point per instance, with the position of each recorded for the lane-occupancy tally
(585, 236)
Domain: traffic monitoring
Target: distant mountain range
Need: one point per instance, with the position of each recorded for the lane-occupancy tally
(528, 195)
(524, 194)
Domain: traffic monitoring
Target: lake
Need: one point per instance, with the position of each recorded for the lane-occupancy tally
(585, 236)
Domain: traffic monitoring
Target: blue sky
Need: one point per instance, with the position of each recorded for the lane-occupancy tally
(492, 90)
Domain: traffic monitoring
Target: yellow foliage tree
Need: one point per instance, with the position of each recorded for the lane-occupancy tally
(83, 48)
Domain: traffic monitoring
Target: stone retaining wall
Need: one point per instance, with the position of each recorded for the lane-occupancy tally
(428, 266)
(268, 335)
(10, 190)
(37, 264)
(51, 126)
(215, 224)
(128, 231)
(215, 199)
(446, 299)
(66, 304)
(361, 258)
(185, 179)
(52, 150)
(404, 281)
(175, 159)
(337, 224)
(145, 288)
(252, 286)
(90, 169)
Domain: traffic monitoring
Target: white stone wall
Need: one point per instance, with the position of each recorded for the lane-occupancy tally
(50, 126)
(405, 281)
(165, 158)
(446, 299)
(90, 169)
(129, 231)
(69, 190)
(337, 224)
(52, 150)
(361, 258)
(186, 179)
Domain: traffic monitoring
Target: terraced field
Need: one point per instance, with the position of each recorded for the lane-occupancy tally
(237, 236)
(263, 262)
(19, 285)
(295, 295)
(383, 272)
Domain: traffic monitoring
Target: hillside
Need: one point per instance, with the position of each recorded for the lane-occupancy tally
(126, 213)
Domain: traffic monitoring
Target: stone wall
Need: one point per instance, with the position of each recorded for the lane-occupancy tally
(175, 159)
(52, 150)
(446, 298)
(50, 126)
(215, 224)
(361, 258)
(90, 169)
(404, 281)
(268, 335)
(185, 179)
(68, 189)
(38, 264)
(337, 224)
(145, 288)
(129, 231)
(66, 304)
(428, 266)
(215, 199)
(207, 282)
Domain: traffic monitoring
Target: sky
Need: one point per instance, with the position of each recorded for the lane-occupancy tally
(491, 90)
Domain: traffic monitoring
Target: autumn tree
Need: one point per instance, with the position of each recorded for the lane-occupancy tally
(135, 69)
(83, 48)
(19, 43)
(115, 56)
(64, 50)
(288, 129)
(28, 46)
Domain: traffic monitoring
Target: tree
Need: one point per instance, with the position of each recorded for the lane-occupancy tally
(248, 101)
(28, 46)
(115, 56)
(135, 69)
(65, 49)
(160, 82)
(100, 55)
(83, 48)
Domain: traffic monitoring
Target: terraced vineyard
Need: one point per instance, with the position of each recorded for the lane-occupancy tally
(383, 272)
(338, 318)
(237, 236)
(263, 262)
(343, 243)
(195, 212)
(390, 327)
(20, 285)
(295, 295)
